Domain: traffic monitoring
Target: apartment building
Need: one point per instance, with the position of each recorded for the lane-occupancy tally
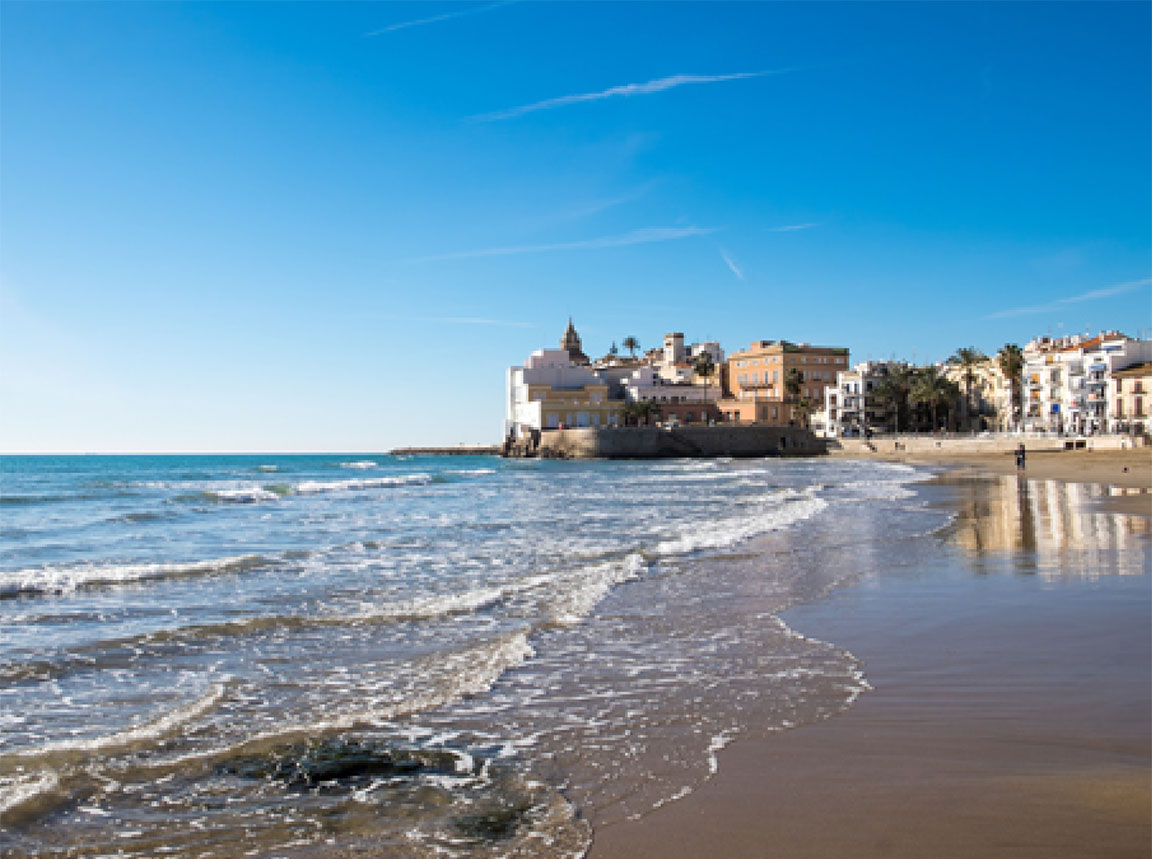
(989, 405)
(1132, 396)
(1069, 381)
(848, 408)
(755, 379)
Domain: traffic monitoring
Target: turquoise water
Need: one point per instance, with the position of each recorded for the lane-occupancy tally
(421, 656)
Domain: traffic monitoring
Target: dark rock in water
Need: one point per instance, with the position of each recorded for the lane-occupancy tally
(339, 763)
(493, 822)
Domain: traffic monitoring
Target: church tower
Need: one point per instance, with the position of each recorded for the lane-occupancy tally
(570, 342)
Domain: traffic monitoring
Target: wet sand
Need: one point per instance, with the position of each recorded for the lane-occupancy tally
(1012, 702)
(1126, 471)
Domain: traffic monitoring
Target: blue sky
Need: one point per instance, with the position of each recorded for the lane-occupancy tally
(309, 227)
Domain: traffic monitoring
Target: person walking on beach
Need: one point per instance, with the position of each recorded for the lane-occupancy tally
(1020, 458)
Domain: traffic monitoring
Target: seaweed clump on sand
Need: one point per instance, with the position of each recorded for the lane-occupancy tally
(339, 763)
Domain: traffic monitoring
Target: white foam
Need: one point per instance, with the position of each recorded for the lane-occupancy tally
(473, 472)
(361, 463)
(311, 487)
(21, 788)
(140, 733)
(425, 608)
(244, 495)
(580, 592)
(61, 580)
(715, 745)
(788, 508)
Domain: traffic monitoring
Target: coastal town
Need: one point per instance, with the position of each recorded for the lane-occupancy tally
(1077, 385)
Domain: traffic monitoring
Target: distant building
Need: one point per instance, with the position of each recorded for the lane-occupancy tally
(556, 388)
(849, 410)
(1132, 398)
(570, 343)
(990, 406)
(755, 380)
(1068, 381)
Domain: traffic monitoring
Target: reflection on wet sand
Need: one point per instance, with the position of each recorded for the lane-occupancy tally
(1050, 527)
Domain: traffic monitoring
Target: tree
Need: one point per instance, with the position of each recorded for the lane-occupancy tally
(631, 344)
(968, 359)
(637, 411)
(892, 393)
(793, 381)
(704, 366)
(804, 410)
(929, 388)
(1011, 360)
(613, 351)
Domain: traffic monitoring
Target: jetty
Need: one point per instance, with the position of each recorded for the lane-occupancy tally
(455, 450)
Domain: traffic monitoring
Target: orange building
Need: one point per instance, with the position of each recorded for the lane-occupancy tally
(755, 389)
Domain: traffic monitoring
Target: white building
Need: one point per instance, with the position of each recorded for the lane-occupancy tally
(677, 362)
(649, 384)
(1068, 381)
(848, 411)
(550, 392)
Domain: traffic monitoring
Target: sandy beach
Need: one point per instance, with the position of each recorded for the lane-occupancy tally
(1011, 704)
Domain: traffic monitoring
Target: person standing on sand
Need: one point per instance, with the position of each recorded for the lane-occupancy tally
(1020, 458)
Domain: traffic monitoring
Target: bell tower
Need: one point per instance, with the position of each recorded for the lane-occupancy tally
(570, 342)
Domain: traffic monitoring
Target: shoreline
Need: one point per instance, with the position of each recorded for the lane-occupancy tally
(1009, 713)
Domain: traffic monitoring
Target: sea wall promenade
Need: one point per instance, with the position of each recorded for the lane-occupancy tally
(661, 442)
(977, 444)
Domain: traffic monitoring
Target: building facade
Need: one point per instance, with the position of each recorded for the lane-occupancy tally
(1132, 399)
(1068, 381)
(849, 410)
(556, 388)
(988, 404)
(755, 379)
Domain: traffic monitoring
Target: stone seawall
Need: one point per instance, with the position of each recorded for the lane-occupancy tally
(691, 441)
(927, 444)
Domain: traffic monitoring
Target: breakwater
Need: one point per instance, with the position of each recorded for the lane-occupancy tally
(455, 450)
(666, 442)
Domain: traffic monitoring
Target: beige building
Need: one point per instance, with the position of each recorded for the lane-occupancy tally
(990, 404)
(1133, 398)
(556, 388)
(755, 380)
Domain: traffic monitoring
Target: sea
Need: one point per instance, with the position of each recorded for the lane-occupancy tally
(375, 655)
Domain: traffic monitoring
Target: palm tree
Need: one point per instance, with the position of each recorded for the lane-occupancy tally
(804, 410)
(793, 381)
(968, 359)
(704, 367)
(929, 388)
(631, 344)
(1011, 360)
(635, 411)
(892, 391)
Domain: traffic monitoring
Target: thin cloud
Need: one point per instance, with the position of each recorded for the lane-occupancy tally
(732, 265)
(419, 22)
(790, 228)
(636, 237)
(1062, 303)
(595, 207)
(462, 320)
(654, 86)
